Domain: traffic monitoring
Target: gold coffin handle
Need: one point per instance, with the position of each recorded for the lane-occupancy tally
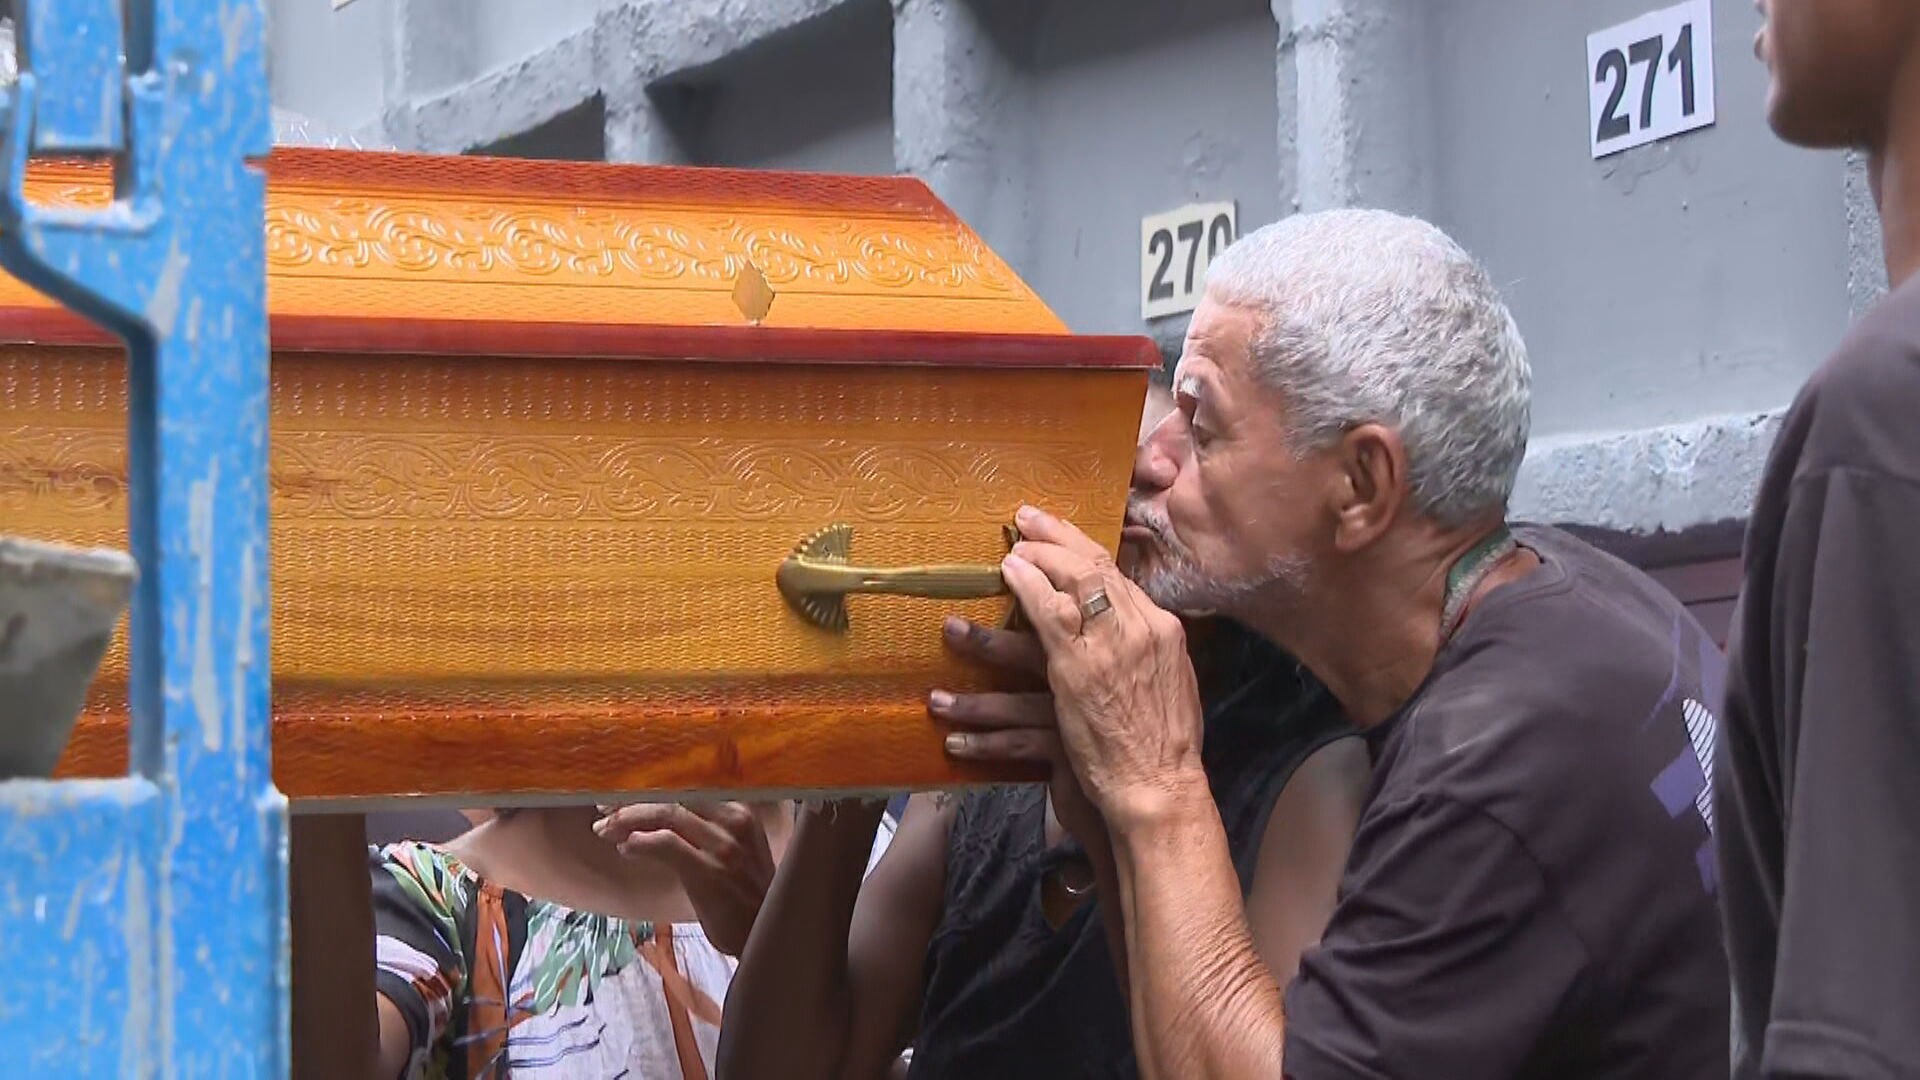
(817, 578)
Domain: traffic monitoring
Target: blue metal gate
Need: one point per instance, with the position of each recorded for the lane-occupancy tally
(142, 920)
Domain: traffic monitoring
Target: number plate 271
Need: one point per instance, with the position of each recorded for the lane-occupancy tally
(1650, 78)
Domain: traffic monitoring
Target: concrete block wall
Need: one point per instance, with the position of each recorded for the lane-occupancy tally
(1674, 296)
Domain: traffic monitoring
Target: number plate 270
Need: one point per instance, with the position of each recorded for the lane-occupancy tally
(1650, 78)
(1175, 250)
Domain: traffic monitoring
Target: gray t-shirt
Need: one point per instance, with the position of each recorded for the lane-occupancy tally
(1820, 792)
(1530, 892)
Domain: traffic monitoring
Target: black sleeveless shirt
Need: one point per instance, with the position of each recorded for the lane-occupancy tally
(1008, 996)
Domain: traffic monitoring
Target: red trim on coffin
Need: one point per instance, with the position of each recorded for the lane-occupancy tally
(480, 338)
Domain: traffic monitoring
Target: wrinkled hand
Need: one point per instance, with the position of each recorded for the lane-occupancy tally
(1016, 726)
(719, 850)
(1123, 686)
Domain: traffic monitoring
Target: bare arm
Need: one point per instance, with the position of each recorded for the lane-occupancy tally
(1106, 881)
(829, 984)
(1223, 1018)
(1205, 1003)
(396, 1043)
(1202, 1001)
(1021, 727)
(331, 914)
(1304, 853)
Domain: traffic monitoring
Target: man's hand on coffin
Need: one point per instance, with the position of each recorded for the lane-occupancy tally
(1016, 726)
(1124, 689)
(720, 851)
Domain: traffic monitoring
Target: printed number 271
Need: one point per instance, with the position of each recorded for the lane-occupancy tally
(1613, 67)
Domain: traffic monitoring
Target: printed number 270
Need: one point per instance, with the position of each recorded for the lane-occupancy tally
(1613, 66)
(1218, 233)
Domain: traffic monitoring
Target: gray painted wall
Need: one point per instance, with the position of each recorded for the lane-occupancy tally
(456, 41)
(1139, 106)
(1705, 274)
(1053, 126)
(578, 134)
(816, 97)
(330, 66)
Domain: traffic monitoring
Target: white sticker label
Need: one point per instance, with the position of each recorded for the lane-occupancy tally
(1650, 78)
(1175, 250)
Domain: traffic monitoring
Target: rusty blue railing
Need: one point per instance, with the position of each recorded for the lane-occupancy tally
(142, 920)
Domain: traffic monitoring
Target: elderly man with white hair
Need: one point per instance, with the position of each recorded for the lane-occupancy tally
(1530, 890)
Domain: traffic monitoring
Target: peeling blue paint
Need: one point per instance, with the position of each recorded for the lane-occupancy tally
(75, 51)
(146, 917)
(206, 687)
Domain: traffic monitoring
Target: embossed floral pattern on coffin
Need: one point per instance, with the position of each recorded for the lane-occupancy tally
(533, 471)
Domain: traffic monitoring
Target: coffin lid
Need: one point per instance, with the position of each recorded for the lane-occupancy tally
(403, 253)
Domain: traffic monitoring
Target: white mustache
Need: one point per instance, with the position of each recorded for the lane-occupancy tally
(1144, 515)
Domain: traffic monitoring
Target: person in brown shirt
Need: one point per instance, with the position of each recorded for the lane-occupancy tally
(1819, 774)
(1529, 892)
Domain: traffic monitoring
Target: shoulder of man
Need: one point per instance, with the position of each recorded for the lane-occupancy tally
(1574, 710)
(1858, 409)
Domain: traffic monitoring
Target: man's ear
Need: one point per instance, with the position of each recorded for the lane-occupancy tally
(1370, 485)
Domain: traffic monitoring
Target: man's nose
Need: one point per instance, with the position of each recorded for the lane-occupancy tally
(1154, 468)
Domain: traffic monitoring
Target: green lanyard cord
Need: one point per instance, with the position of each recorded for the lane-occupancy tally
(1468, 572)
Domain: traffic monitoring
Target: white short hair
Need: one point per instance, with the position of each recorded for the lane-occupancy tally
(1370, 317)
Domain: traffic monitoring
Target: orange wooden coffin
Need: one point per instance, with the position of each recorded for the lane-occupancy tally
(536, 465)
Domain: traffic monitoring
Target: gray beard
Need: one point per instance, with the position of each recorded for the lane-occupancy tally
(1175, 581)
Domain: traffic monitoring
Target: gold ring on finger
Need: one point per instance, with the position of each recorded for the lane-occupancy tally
(1095, 604)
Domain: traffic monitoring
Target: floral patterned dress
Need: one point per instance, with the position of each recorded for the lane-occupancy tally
(494, 984)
